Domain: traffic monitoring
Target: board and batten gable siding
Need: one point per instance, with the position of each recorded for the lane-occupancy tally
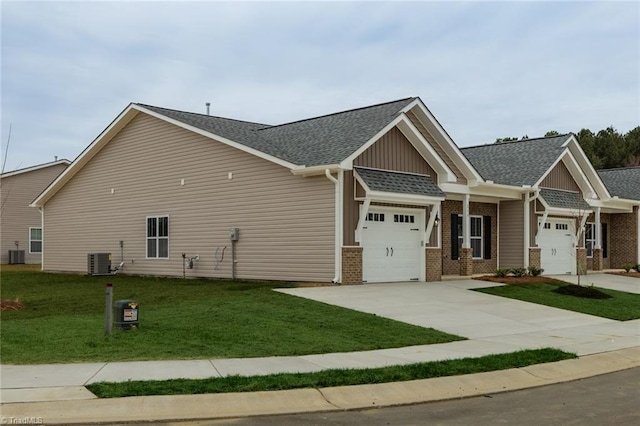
(286, 222)
(436, 146)
(17, 192)
(392, 151)
(560, 178)
(511, 235)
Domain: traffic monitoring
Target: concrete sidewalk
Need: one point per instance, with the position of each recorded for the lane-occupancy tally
(227, 406)
(492, 325)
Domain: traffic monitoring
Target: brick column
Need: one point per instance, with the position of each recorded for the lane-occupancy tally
(598, 260)
(352, 265)
(581, 256)
(466, 262)
(534, 257)
(433, 257)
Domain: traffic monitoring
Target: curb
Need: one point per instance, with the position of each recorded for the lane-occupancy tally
(221, 406)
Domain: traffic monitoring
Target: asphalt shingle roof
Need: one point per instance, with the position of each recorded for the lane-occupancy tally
(316, 141)
(564, 199)
(398, 182)
(516, 163)
(624, 182)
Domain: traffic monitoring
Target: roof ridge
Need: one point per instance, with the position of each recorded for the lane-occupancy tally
(203, 115)
(612, 169)
(518, 141)
(340, 112)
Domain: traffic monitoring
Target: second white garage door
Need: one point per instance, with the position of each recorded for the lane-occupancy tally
(391, 245)
(558, 253)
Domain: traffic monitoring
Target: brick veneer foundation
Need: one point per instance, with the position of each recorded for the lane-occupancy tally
(433, 257)
(352, 265)
(581, 254)
(597, 260)
(466, 262)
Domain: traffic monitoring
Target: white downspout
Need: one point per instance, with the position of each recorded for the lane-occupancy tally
(42, 244)
(598, 230)
(337, 224)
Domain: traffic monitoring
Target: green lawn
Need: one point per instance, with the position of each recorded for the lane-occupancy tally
(330, 378)
(621, 306)
(63, 321)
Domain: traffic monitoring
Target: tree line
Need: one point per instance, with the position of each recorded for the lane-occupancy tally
(606, 149)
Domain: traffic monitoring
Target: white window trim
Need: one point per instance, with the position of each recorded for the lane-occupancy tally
(592, 239)
(40, 240)
(147, 238)
(471, 237)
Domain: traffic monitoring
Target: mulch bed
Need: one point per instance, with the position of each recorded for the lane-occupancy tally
(626, 274)
(10, 305)
(519, 280)
(579, 291)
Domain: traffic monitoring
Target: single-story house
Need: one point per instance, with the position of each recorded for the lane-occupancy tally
(20, 225)
(380, 193)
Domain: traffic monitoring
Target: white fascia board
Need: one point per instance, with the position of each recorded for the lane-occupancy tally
(449, 146)
(490, 190)
(315, 170)
(34, 168)
(425, 149)
(583, 182)
(89, 152)
(397, 198)
(347, 163)
(221, 139)
(614, 205)
(587, 168)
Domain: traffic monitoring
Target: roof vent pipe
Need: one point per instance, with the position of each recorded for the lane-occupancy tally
(208, 104)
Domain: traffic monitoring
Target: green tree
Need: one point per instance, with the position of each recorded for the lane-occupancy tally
(551, 133)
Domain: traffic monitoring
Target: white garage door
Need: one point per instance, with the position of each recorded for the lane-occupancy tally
(558, 253)
(391, 245)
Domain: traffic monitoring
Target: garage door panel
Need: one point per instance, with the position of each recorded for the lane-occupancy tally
(392, 247)
(557, 247)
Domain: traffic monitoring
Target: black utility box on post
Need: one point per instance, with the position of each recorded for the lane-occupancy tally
(126, 314)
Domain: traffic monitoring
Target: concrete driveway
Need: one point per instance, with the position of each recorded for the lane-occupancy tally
(499, 323)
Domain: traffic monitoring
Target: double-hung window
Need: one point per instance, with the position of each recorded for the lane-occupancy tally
(475, 235)
(590, 238)
(158, 237)
(35, 240)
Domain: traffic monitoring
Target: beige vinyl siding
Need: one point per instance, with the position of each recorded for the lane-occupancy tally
(391, 152)
(560, 178)
(436, 146)
(511, 234)
(286, 222)
(16, 217)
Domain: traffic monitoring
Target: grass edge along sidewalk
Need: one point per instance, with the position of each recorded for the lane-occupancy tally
(331, 378)
(621, 306)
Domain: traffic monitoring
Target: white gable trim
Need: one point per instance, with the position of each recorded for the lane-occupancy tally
(34, 168)
(445, 141)
(408, 129)
(218, 138)
(575, 171)
(587, 168)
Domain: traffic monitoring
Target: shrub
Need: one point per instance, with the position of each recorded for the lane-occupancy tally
(501, 272)
(637, 268)
(518, 272)
(627, 267)
(534, 271)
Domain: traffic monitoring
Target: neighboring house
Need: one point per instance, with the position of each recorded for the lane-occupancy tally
(380, 193)
(568, 219)
(20, 225)
(625, 184)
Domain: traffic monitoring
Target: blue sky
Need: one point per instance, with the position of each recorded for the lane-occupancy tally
(484, 69)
